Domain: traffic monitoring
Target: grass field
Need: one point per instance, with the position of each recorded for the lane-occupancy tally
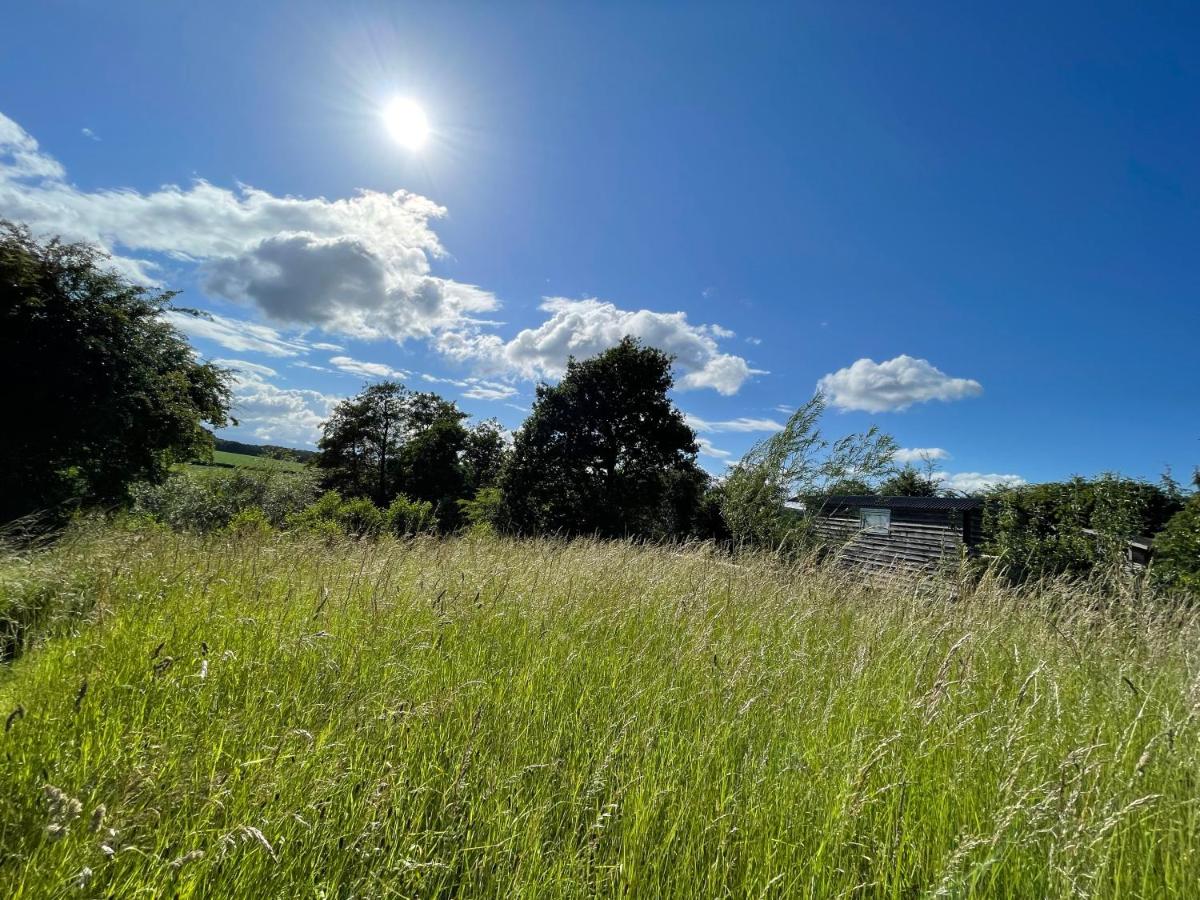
(225, 459)
(272, 716)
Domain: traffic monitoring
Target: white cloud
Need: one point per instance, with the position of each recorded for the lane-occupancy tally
(972, 482)
(477, 388)
(321, 345)
(365, 369)
(893, 385)
(785, 409)
(907, 455)
(234, 334)
(272, 413)
(707, 449)
(740, 424)
(89, 134)
(583, 328)
(358, 266)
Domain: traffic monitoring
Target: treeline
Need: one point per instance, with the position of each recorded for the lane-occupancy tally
(268, 451)
(110, 398)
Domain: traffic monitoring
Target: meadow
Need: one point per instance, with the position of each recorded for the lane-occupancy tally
(224, 459)
(280, 715)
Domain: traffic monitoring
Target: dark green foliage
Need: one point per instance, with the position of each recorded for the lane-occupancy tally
(1043, 529)
(605, 452)
(909, 482)
(1177, 547)
(102, 390)
(390, 440)
(484, 454)
(850, 486)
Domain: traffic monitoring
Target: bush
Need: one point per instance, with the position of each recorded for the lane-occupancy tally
(1177, 550)
(484, 509)
(1039, 530)
(250, 522)
(205, 500)
(406, 516)
(360, 517)
(320, 516)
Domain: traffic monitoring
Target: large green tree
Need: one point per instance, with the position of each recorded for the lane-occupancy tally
(389, 440)
(605, 452)
(98, 389)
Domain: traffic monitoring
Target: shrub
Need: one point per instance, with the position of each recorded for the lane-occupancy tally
(1177, 550)
(360, 517)
(320, 516)
(407, 516)
(251, 521)
(204, 500)
(484, 509)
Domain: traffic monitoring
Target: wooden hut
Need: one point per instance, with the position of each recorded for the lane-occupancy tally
(898, 532)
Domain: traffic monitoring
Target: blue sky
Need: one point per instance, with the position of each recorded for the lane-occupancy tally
(976, 227)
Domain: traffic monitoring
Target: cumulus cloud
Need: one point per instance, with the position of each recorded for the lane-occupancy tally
(907, 455)
(365, 369)
(273, 413)
(583, 328)
(740, 424)
(893, 385)
(359, 266)
(973, 482)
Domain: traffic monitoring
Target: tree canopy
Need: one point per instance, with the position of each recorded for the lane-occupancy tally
(99, 389)
(389, 441)
(605, 451)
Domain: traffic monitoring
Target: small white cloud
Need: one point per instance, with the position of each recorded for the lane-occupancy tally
(785, 409)
(920, 454)
(321, 345)
(365, 369)
(753, 340)
(740, 424)
(490, 390)
(718, 332)
(973, 482)
(245, 366)
(707, 449)
(89, 134)
(893, 385)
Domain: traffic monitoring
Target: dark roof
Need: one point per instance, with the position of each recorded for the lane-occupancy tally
(900, 502)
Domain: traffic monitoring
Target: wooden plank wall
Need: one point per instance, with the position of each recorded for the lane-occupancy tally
(917, 538)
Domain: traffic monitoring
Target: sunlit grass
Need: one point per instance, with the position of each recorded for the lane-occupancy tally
(264, 717)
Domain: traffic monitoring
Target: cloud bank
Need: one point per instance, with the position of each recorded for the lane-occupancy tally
(359, 267)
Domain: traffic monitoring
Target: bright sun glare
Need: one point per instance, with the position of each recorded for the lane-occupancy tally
(406, 123)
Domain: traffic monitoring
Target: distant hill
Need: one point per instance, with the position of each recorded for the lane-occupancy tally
(267, 450)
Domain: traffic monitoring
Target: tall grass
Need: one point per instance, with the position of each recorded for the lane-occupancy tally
(281, 716)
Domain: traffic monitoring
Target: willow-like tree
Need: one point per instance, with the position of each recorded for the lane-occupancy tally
(99, 390)
(605, 452)
(797, 462)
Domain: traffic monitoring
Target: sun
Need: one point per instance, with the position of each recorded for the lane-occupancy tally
(406, 123)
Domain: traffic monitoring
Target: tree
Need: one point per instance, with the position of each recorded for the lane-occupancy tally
(484, 454)
(605, 451)
(909, 482)
(389, 440)
(99, 390)
(797, 462)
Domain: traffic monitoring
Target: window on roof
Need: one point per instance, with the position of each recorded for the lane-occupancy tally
(876, 521)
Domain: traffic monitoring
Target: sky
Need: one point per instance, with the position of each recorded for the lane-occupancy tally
(975, 226)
